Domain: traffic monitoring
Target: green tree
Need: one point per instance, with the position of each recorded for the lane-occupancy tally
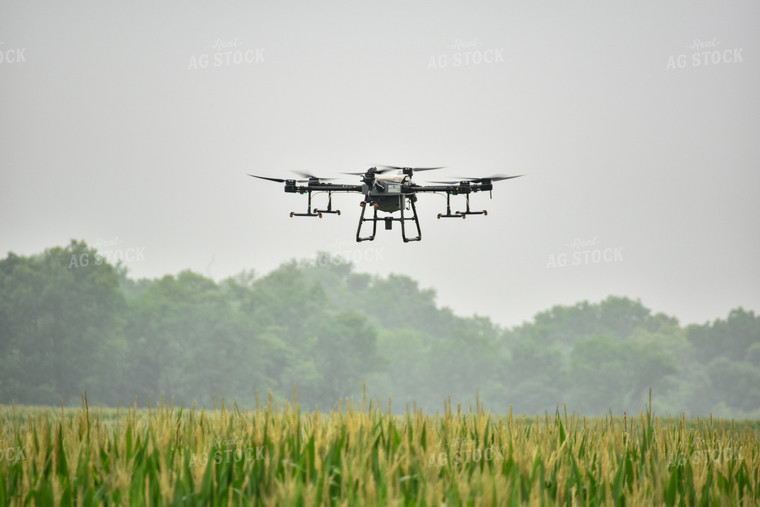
(734, 383)
(344, 352)
(406, 376)
(609, 374)
(536, 378)
(467, 359)
(730, 338)
(59, 318)
(187, 339)
(565, 325)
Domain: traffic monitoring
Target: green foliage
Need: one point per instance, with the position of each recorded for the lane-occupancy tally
(731, 338)
(68, 325)
(536, 377)
(59, 322)
(565, 325)
(607, 372)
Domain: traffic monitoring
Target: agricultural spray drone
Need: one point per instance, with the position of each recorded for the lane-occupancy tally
(388, 193)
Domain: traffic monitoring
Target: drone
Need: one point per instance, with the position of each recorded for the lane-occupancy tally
(388, 193)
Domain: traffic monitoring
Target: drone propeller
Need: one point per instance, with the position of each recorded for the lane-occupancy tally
(277, 180)
(311, 177)
(397, 168)
(371, 170)
(497, 177)
(385, 168)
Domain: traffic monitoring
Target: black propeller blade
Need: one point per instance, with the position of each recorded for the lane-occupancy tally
(311, 177)
(385, 168)
(277, 180)
(371, 170)
(415, 169)
(498, 177)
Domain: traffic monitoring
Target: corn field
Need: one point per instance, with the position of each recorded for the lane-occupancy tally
(275, 454)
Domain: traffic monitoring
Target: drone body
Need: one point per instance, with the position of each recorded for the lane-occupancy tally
(389, 193)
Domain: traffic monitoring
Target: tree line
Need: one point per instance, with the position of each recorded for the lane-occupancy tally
(66, 328)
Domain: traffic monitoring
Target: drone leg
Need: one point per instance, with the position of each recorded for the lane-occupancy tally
(448, 214)
(308, 209)
(416, 222)
(361, 222)
(329, 206)
(468, 212)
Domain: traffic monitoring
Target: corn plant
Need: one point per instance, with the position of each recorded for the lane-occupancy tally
(275, 454)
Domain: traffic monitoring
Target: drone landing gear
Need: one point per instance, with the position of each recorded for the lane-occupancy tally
(388, 222)
(316, 212)
(371, 237)
(329, 206)
(413, 218)
(460, 214)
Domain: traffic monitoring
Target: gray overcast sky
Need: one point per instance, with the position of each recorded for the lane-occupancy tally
(637, 125)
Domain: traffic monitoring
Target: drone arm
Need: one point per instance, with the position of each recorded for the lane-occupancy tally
(292, 187)
(465, 188)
